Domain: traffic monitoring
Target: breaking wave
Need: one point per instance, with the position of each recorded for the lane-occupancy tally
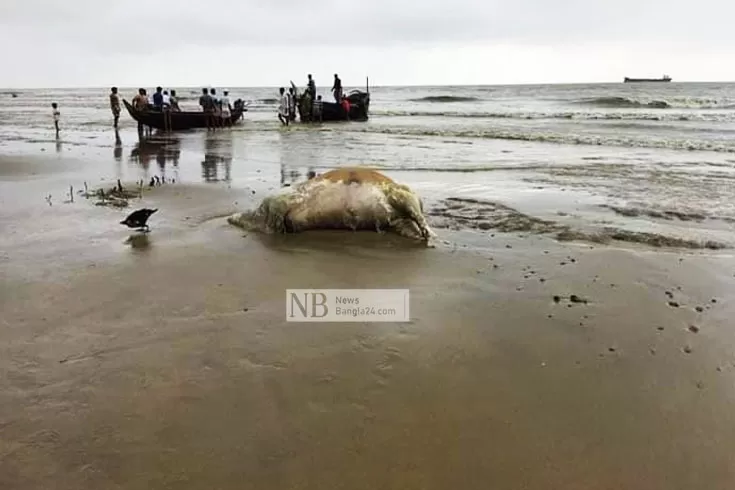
(623, 102)
(617, 102)
(574, 115)
(444, 98)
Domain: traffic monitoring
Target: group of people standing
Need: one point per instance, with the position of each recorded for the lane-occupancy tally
(217, 109)
(159, 101)
(312, 105)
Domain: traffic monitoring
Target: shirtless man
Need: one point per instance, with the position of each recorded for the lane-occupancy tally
(140, 103)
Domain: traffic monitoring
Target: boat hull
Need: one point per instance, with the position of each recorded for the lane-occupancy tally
(179, 121)
(332, 112)
(646, 80)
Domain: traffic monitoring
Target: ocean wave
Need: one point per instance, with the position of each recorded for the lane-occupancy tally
(445, 98)
(576, 115)
(558, 138)
(623, 102)
(614, 102)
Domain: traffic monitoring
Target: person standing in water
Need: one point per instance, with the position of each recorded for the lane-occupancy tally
(115, 105)
(207, 104)
(284, 107)
(291, 104)
(217, 116)
(225, 108)
(174, 100)
(166, 107)
(57, 115)
(337, 89)
(311, 90)
(158, 99)
(346, 107)
(311, 87)
(318, 107)
(140, 103)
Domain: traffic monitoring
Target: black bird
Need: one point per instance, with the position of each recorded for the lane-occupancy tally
(138, 219)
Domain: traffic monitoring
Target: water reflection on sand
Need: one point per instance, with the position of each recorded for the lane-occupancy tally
(160, 147)
(218, 153)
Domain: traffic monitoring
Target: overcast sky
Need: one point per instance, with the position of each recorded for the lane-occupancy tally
(72, 43)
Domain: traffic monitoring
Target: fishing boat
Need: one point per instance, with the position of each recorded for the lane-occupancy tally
(180, 120)
(332, 111)
(664, 78)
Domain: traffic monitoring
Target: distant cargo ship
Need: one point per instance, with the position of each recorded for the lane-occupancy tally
(665, 78)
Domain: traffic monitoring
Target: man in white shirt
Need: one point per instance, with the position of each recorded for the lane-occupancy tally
(224, 103)
(284, 106)
(217, 108)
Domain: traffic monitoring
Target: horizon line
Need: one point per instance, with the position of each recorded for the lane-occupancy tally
(520, 84)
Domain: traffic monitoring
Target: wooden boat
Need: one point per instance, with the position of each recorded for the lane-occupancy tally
(180, 120)
(665, 78)
(332, 111)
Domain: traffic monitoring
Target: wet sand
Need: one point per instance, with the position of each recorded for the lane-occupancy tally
(166, 362)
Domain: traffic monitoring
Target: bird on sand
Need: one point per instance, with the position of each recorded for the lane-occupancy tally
(138, 219)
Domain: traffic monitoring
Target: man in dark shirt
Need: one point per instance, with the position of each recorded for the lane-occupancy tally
(207, 103)
(337, 89)
(115, 105)
(310, 95)
(311, 87)
(158, 99)
(203, 99)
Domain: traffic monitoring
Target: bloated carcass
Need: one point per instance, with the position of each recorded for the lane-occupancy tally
(346, 198)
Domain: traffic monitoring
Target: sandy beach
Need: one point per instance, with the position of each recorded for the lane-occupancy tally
(167, 362)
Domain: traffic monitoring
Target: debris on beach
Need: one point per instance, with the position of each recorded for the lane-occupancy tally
(113, 198)
(572, 299)
(117, 196)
